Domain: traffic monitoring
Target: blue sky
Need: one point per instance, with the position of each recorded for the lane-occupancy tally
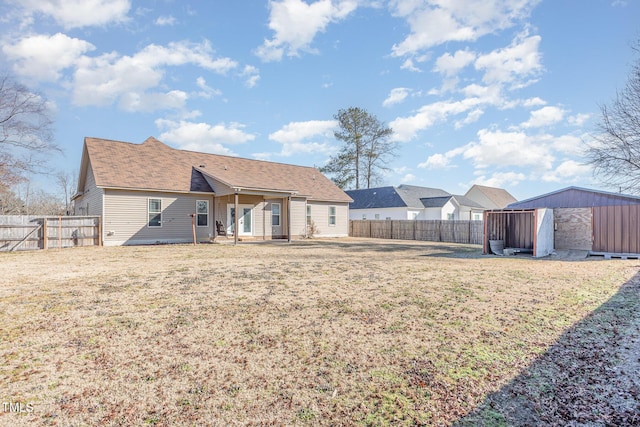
(494, 92)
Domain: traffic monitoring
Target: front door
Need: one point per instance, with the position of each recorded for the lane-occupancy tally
(245, 221)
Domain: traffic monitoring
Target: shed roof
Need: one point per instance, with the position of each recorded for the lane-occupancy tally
(576, 197)
(153, 165)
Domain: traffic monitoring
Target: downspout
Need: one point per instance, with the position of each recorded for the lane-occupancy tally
(235, 220)
(289, 219)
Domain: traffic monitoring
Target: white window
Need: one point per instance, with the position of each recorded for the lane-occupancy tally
(155, 213)
(202, 213)
(477, 217)
(275, 214)
(364, 216)
(388, 218)
(332, 215)
(415, 215)
(450, 216)
(308, 215)
(377, 216)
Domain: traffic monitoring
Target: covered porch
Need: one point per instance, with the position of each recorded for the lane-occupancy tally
(255, 214)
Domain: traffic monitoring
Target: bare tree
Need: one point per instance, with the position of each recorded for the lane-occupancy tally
(67, 182)
(366, 149)
(615, 150)
(25, 130)
(10, 204)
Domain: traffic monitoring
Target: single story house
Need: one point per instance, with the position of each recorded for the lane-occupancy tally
(151, 193)
(490, 197)
(411, 202)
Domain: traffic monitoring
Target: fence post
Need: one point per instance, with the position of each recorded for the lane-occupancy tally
(99, 231)
(45, 234)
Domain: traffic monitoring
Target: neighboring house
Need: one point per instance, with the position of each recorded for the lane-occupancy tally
(411, 202)
(490, 197)
(150, 193)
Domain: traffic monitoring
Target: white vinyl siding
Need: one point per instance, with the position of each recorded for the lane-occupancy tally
(126, 218)
(90, 203)
(320, 216)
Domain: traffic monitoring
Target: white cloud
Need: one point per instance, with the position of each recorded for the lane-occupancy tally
(396, 96)
(296, 23)
(472, 117)
(206, 91)
(579, 119)
(408, 65)
(504, 149)
(533, 102)
(545, 116)
(203, 137)
(436, 161)
(450, 65)
(165, 20)
(516, 64)
(568, 144)
(44, 57)
(104, 79)
(434, 22)
(568, 171)
(80, 13)
(408, 178)
(172, 100)
(252, 75)
(501, 179)
(293, 136)
(406, 128)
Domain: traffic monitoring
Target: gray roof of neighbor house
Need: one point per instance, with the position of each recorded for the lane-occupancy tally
(153, 165)
(403, 196)
(498, 196)
(465, 201)
(576, 197)
(438, 202)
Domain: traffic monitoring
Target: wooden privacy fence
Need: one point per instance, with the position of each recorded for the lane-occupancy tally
(448, 231)
(28, 232)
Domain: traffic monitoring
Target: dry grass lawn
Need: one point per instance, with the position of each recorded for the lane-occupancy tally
(338, 332)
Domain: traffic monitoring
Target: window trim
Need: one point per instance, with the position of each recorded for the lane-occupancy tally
(334, 216)
(274, 215)
(309, 217)
(198, 214)
(149, 212)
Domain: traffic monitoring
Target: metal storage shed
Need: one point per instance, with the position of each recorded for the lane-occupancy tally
(601, 222)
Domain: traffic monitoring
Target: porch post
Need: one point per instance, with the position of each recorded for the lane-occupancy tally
(235, 220)
(289, 219)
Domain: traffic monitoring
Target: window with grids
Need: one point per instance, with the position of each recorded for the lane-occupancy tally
(202, 213)
(155, 213)
(275, 214)
(332, 215)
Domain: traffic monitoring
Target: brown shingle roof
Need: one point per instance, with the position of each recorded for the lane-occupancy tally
(499, 196)
(153, 165)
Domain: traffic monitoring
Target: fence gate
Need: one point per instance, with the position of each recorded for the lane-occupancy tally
(616, 229)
